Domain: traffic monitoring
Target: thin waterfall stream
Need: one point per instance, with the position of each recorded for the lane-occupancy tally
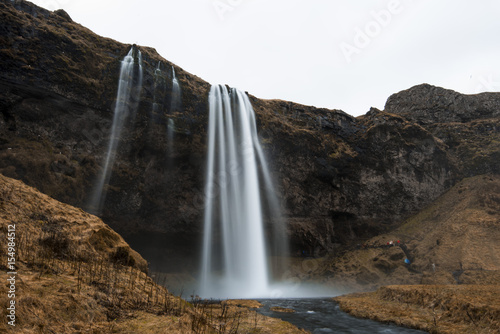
(127, 98)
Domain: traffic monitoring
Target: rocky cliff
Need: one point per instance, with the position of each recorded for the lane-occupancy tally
(467, 124)
(341, 179)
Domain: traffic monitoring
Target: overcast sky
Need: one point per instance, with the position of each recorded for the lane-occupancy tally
(338, 54)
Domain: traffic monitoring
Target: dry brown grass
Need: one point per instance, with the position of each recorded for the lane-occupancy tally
(433, 308)
(453, 240)
(76, 275)
(48, 230)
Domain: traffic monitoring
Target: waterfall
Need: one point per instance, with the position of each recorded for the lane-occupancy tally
(158, 88)
(127, 100)
(175, 103)
(234, 253)
(176, 93)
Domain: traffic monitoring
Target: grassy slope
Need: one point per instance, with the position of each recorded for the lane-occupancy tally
(460, 227)
(433, 308)
(76, 275)
(460, 234)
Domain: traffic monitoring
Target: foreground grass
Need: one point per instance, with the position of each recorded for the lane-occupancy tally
(433, 308)
(76, 275)
(64, 302)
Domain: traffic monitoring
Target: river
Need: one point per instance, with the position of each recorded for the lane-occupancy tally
(323, 315)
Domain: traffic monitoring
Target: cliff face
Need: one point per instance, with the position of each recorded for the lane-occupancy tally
(426, 105)
(467, 124)
(339, 178)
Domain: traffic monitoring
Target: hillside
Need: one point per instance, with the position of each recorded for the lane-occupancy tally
(454, 240)
(73, 274)
(452, 284)
(58, 230)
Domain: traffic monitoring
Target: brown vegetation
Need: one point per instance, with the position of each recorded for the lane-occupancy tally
(76, 275)
(452, 241)
(453, 246)
(433, 308)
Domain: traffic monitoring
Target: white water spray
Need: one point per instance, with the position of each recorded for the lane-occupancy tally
(159, 86)
(175, 103)
(234, 258)
(127, 100)
(176, 93)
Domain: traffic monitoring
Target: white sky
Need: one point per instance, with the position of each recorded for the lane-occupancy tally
(292, 49)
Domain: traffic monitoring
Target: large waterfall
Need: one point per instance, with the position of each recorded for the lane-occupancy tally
(235, 256)
(127, 99)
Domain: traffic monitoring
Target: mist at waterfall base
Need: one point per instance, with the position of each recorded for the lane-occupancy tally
(240, 196)
(127, 101)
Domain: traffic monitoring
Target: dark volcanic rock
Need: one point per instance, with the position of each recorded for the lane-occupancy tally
(340, 178)
(426, 104)
(467, 124)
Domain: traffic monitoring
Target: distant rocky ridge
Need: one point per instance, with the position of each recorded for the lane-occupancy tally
(426, 104)
(341, 179)
(467, 124)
